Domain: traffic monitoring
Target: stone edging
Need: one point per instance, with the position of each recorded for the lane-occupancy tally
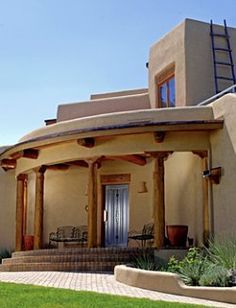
(171, 283)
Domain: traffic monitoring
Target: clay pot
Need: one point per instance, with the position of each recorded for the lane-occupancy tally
(177, 235)
(28, 242)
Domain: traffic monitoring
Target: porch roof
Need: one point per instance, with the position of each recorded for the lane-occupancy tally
(128, 122)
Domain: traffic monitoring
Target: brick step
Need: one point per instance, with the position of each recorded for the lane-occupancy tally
(68, 258)
(76, 251)
(66, 266)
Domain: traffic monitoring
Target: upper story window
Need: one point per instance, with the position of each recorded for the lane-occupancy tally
(166, 89)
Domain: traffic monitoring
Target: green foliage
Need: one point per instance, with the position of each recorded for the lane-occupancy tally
(215, 276)
(18, 295)
(145, 261)
(190, 268)
(4, 254)
(223, 252)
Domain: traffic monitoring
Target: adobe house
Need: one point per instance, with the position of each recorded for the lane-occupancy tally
(125, 159)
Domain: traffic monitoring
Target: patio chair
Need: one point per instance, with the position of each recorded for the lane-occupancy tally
(147, 234)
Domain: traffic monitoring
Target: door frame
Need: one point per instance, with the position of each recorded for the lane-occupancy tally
(109, 179)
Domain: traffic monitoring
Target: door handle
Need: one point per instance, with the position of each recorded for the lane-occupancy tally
(105, 215)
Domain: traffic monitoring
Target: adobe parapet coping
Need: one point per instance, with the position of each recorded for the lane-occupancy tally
(125, 117)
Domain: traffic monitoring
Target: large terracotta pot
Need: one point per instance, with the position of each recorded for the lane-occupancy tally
(28, 242)
(177, 235)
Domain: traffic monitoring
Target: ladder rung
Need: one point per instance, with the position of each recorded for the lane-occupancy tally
(223, 63)
(224, 78)
(220, 35)
(222, 49)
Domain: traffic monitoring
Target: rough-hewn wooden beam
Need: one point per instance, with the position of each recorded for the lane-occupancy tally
(8, 164)
(159, 136)
(159, 202)
(135, 159)
(28, 153)
(19, 211)
(38, 212)
(58, 167)
(205, 195)
(86, 142)
(79, 163)
(201, 154)
(92, 204)
(163, 154)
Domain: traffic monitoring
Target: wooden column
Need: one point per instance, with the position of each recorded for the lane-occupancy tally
(25, 205)
(38, 212)
(159, 201)
(19, 211)
(205, 196)
(206, 217)
(92, 204)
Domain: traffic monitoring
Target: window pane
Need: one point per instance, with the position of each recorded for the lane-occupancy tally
(172, 92)
(163, 95)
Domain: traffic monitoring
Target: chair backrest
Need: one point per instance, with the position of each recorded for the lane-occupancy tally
(148, 229)
(65, 232)
(84, 231)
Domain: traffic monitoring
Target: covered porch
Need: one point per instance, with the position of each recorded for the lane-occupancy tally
(64, 179)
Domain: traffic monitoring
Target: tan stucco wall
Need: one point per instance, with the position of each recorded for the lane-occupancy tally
(119, 93)
(183, 182)
(172, 284)
(199, 64)
(118, 145)
(65, 199)
(188, 46)
(117, 119)
(223, 147)
(169, 50)
(102, 106)
(7, 206)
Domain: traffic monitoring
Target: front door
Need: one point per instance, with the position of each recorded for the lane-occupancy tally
(116, 215)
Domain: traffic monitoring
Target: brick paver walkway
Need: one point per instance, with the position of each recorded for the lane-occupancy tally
(102, 283)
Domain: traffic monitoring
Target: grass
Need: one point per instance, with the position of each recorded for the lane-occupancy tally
(18, 295)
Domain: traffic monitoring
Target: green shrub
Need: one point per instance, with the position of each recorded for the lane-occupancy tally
(215, 276)
(190, 268)
(145, 261)
(222, 251)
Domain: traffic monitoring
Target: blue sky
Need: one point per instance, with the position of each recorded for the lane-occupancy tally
(57, 51)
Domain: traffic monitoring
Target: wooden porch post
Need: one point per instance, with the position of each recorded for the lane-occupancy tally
(206, 220)
(205, 196)
(20, 211)
(92, 204)
(38, 212)
(159, 201)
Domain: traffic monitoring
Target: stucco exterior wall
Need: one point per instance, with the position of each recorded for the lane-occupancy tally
(199, 63)
(119, 93)
(102, 106)
(183, 184)
(117, 145)
(168, 51)
(223, 147)
(188, 47)
(65, 199)
(8, 212)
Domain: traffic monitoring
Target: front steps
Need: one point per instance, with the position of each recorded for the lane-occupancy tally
(69, 259)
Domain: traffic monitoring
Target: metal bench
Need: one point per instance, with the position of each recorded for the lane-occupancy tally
(146, 234)
(67, 234)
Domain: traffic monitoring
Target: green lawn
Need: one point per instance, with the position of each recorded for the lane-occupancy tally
(19, 295)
